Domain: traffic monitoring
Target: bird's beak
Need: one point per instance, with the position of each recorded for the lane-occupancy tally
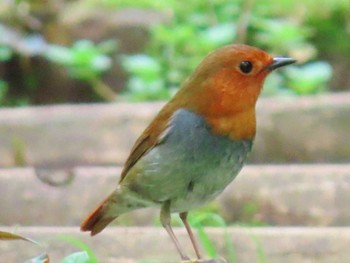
(278, 62)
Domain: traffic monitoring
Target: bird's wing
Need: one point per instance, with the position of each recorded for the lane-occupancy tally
(152, 136)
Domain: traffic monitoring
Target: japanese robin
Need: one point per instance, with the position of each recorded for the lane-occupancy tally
(196, 145)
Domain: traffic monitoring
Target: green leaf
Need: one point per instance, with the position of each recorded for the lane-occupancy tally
(207, 218)
(81, 245)
(207, 244)
(78, 257)
(197, 222)
(215, 220)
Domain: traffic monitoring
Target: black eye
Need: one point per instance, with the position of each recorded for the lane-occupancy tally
(246, 66)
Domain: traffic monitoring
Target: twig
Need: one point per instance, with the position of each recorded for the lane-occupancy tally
(103, 90)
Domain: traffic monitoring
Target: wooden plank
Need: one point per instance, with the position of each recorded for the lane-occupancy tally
(306, 129)
(272, 194)
(130, 245)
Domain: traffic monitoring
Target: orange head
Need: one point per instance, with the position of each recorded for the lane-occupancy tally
(225, 86)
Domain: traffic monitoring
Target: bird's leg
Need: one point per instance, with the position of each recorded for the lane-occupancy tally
(183, 217)
(165, 220)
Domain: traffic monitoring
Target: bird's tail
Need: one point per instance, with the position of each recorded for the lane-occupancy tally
(104, 214)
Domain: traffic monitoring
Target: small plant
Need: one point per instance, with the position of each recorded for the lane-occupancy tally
(214, 220)
(84, 256)
(87, 255)
(6, 236)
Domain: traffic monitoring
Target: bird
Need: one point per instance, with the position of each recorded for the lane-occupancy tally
(196, 145)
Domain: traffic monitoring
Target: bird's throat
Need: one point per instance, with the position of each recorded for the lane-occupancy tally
(237, 126)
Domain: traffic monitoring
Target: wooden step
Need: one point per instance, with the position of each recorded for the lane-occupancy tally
(303, 129)
(271, 194)
(131, 245)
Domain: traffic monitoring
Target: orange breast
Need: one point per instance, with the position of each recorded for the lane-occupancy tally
(227, 102)
(238, 126)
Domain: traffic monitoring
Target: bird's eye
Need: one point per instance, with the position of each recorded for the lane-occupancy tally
(246, 67)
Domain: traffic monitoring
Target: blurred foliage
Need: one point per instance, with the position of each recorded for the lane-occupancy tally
(31, 30)
(197, 28)
(145, 81)
(310, 78)
(85, 61)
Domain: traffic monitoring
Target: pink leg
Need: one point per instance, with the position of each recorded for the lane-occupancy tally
(165, 220)
(183, 217)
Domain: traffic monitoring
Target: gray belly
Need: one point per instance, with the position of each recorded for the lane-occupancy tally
(191, 166)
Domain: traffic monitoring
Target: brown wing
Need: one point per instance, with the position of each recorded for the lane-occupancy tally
(151, 136)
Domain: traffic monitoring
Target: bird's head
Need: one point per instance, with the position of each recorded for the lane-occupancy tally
(231, 78)
(228, 82)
